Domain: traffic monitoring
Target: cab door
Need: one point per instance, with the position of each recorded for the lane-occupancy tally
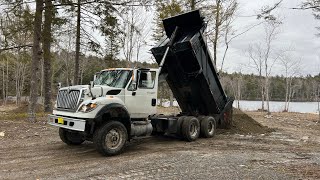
(141, 98)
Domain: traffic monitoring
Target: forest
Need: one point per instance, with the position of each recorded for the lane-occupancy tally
(44, 42)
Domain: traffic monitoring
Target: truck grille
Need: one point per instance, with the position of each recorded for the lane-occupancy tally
(68, 99)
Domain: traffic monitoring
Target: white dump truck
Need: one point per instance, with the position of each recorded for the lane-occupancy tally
(121, 103)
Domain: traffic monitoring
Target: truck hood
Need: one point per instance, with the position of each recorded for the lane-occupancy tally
(97, 90)
(77, 87)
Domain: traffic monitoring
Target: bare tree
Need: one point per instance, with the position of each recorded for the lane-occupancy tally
(255, 53)
(237, 86)
(318, 99)
(223, 11)
(291, 68)
(20, 74)
(133, 28)
(262, 57)
(5, 70)
(265, 14)
(271, 33)
(228, 40)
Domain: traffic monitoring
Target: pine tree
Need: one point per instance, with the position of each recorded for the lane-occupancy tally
(164, 9)
(36, 57)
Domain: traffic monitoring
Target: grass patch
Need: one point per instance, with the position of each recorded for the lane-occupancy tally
(20, 116)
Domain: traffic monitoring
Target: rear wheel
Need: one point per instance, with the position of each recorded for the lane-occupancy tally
(208, 127)
(71, 137)
(110, 138)
(190, 129)
(179, 124)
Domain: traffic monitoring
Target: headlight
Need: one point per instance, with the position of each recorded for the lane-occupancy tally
(88, 107)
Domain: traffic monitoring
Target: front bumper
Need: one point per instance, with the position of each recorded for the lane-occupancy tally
(67, 123)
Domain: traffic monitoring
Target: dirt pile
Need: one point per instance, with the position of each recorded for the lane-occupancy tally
(244, 124)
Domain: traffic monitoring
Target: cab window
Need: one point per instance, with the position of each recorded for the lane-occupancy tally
(147, 79)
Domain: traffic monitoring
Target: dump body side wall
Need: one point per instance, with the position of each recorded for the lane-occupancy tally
(190, 71)
(192, 76)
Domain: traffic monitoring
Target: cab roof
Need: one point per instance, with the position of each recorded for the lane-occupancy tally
(128, 69)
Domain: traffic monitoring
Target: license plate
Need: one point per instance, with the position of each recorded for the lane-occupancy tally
(60, 120)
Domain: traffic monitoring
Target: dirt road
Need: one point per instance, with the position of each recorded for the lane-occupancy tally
(291, 151)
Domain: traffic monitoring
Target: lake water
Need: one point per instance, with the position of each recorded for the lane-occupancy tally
(275, 106)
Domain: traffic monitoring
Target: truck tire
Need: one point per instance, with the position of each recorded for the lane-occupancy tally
(110, 138)
(179, 124)
(190, 129)
(71, 137)
(207, 127)
(226, 120)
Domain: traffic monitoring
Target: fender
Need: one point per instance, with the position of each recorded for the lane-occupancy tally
(114, 111)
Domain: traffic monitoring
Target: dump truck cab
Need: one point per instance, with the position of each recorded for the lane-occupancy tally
(122, 86)
(124, 95)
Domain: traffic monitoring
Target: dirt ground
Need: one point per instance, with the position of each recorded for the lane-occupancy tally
(283, 146)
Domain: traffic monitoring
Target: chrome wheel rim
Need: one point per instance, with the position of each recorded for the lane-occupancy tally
(210, 127)
(113, 139)
(193, 130)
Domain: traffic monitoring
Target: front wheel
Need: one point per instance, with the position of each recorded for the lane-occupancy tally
(71, 137)
(110, 138)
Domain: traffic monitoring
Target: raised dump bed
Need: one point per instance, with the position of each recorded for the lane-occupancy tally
(189, 69)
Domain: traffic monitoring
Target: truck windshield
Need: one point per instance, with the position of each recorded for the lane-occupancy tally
(113, 78)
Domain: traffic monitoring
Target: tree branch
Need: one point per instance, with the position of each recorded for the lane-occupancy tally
(304, 8)
(16, 47)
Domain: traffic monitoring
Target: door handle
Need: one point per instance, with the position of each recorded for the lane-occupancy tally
(153, 102)
(134, 93)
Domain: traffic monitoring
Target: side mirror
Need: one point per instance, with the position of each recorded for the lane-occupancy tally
(133, 86)
(95, 77)
(59, 85)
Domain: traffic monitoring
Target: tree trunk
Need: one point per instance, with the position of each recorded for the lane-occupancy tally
(41, 80)
(262, 92)
(193, 4)
(267, 94)
(239, 90)
(36, 57)
(23, 74)
(81, 73)
(217, 24)
(171, 99)
(17, 79)
(3, 83)
(77, 58)
(318, 99)
(7, 82)
(47, 38)
(287, 95)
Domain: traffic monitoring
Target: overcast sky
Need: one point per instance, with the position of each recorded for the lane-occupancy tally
(297, 32)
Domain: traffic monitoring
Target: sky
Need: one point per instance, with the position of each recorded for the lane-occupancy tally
(296, 33)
